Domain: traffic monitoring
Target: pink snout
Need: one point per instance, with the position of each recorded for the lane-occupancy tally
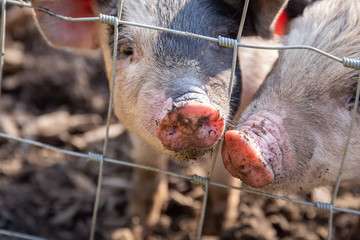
(259, 150)
(243, 159)
(190, 125)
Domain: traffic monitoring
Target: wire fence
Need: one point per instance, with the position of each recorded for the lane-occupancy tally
(205, 181)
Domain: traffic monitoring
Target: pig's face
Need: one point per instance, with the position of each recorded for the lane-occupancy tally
(293, 135)
(172, 90)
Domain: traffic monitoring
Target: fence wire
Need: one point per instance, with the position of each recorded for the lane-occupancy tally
(115, 21)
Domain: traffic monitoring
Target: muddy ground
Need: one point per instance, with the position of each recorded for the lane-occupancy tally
(61, 98)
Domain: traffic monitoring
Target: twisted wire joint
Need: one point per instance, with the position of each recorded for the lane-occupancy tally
(95, 157)
(227, 42)
(351, 63)
(323, 206)
(200, 180)
(108, 19)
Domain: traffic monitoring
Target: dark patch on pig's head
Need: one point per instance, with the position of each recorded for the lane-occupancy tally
(195, 16)
(108, 3)
(295, 8)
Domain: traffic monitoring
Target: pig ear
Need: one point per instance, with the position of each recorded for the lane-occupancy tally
(293, 9)
(62, 33)
(261, 15)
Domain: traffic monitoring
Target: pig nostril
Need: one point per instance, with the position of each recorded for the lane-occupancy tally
(254, 171)
(208, 127)
(172, 130)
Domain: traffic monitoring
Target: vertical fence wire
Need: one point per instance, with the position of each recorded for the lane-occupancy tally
(111, 99)
(120, 8)
(330, 223)
(231, 82)
(97, 201)
(232, 76)
(214, 158)
(346, 150)
(203, 210)
(2, 44)
(235, 53)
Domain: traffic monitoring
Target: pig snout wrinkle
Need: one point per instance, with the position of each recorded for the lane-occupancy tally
(258, 150)
(183, 91)
(190, 125)
(242, 158)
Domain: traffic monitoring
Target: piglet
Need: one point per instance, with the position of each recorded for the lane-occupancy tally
(293, 134)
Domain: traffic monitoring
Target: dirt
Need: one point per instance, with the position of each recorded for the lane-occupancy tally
(61, 98)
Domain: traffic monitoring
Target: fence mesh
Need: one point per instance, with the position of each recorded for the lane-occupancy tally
(100, 158)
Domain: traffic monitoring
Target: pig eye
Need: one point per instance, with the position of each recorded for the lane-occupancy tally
(127, 50)
(351, 102)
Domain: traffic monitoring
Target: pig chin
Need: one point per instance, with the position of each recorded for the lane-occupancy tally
(259, 151)
(189, 154)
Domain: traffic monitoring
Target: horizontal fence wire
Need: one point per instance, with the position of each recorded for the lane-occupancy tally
(90, 157)
(205, 181)
(19, 235)
(220, 40)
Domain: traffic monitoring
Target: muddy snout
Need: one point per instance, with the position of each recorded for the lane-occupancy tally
(190, 124)
(259, 150)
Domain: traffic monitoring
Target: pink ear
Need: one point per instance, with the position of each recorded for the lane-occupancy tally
(63, 33)
(280, 23)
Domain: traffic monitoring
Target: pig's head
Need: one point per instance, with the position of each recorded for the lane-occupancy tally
(293, 134)
(170, 90)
